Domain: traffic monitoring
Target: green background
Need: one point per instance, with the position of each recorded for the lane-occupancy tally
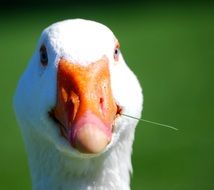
(170, 46)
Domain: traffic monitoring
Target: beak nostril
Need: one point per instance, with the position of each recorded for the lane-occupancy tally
(70, 109)
(102, 104)
(73, 105)
(101, 100)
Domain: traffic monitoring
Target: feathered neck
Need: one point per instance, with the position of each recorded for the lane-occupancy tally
(52, 169)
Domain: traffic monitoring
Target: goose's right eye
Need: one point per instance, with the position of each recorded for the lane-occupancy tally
(43, 56)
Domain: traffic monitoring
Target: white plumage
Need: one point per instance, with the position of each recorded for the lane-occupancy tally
(54, 163)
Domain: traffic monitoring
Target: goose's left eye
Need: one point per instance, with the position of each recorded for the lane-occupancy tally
(43, 56)
(116, 54)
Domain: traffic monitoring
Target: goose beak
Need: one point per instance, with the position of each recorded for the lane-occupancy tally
(85, 106)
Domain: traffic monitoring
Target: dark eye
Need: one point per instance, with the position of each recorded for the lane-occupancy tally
(43, 56)
(116, 54)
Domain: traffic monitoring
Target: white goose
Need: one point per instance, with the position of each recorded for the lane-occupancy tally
(68, 104)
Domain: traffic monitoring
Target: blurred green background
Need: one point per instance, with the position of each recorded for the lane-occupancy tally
(170, 46)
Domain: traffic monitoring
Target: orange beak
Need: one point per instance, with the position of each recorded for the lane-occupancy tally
(85, 106)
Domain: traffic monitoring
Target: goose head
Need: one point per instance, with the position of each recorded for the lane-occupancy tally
(76, 88)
